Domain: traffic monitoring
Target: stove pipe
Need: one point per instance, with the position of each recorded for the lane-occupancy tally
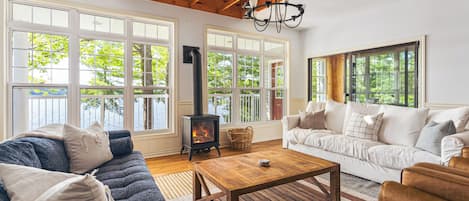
(192, 55)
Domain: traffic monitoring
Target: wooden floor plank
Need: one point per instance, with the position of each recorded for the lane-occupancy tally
(179, 163)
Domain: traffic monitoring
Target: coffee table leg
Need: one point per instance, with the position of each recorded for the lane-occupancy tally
(232, 197)
(335, 184)
(197, 187)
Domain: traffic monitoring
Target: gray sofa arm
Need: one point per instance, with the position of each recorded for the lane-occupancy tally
(120, 142)
(288, 123)
(452, 145)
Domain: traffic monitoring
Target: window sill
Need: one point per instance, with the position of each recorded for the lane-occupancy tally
(254, 124)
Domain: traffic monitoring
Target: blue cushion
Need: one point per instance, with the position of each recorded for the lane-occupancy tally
(19, 153)
(3, 193)
(129, 179)
(51, 153)
(121, 146)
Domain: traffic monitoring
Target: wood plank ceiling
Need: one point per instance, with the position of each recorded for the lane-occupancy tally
(232, 8)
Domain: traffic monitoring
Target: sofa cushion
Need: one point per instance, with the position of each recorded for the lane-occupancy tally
(314, 106)
(19, 153)
(335, 114)
(401, 125)
(349, 146)
(361, 108)
(399, 157)
(364, 126)
(50, 152)
(3, 193)
(313, 120)
(86, 148)
(460, 117)
(306, 136)
(432, 134)
(129, 179)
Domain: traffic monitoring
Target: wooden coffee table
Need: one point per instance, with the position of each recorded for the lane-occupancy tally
(237, 175)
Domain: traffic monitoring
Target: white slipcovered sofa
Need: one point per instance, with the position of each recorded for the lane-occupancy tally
(380, 160)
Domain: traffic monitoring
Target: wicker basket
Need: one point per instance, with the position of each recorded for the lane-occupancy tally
(241, 138)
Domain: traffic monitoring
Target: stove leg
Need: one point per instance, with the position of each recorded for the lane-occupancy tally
(218, 151)
(190, 154)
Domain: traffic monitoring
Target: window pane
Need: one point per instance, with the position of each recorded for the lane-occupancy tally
(220, 103)
(274, 73)
(105, 106)
(117, 26)
(101, 63)
(163, 32)
(139, 29)
(248, 71)
(34, 107)
(151, 109)
(41, 16)
(274, 104)
(318, 80)
(59, 18)
(249, 44)
(250, 105)
(151, 31)
(219, 40)
(274, 48)
(150, 65)
(22, 13)
(39, 58)
(220, 70)
(102, 24)
(87, 22)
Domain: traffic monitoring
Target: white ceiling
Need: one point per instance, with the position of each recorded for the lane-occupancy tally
(325, 11)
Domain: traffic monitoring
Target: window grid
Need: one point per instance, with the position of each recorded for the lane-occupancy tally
(112, 102)
(249, 97)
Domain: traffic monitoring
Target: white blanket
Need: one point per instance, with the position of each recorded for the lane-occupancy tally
(51, 131)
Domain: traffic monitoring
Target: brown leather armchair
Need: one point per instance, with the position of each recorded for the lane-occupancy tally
(431, 182)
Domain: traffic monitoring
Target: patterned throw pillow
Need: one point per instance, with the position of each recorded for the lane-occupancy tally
(364, 126)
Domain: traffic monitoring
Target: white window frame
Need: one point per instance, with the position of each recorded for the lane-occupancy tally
(74, 33)
(236, 91)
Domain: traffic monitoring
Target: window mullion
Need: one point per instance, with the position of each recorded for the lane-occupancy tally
(128, 80)
(74, 72)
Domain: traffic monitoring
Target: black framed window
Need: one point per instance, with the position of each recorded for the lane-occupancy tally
(317, 80)
(387, 75)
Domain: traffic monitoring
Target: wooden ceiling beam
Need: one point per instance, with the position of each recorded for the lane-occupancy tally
(193, 2)
(229, 4)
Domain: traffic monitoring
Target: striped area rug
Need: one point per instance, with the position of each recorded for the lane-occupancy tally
(178, 187)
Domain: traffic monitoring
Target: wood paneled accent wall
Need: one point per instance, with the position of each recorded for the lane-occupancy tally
(335, 77)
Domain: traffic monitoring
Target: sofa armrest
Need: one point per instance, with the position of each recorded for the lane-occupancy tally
(288, 122)
(444, 182)
(120, 142)
(393, 191)
(452, 145)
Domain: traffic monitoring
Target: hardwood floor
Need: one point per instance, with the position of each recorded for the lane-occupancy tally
(178, 163)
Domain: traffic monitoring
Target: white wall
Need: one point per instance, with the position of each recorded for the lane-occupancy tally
(191, 25)
(444, 22)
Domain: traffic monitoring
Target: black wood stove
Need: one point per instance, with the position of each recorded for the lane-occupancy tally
(200, 131)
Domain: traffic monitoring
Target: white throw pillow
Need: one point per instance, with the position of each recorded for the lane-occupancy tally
(364, 126)
(314, 106)
(361, 108)
(402, 125)
(335, 115)
(86, 148)
(24, 183)
(459, 116)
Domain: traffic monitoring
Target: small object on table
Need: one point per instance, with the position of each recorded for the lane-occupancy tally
(264, 163)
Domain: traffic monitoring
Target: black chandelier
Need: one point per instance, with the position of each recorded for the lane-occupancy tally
(280, 13)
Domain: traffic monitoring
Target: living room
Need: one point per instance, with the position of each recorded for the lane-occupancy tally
(371, 89)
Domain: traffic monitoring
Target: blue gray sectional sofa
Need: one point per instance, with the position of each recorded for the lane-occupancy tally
(126, 174)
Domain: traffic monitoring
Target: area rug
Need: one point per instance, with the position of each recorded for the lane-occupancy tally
(178, 187)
